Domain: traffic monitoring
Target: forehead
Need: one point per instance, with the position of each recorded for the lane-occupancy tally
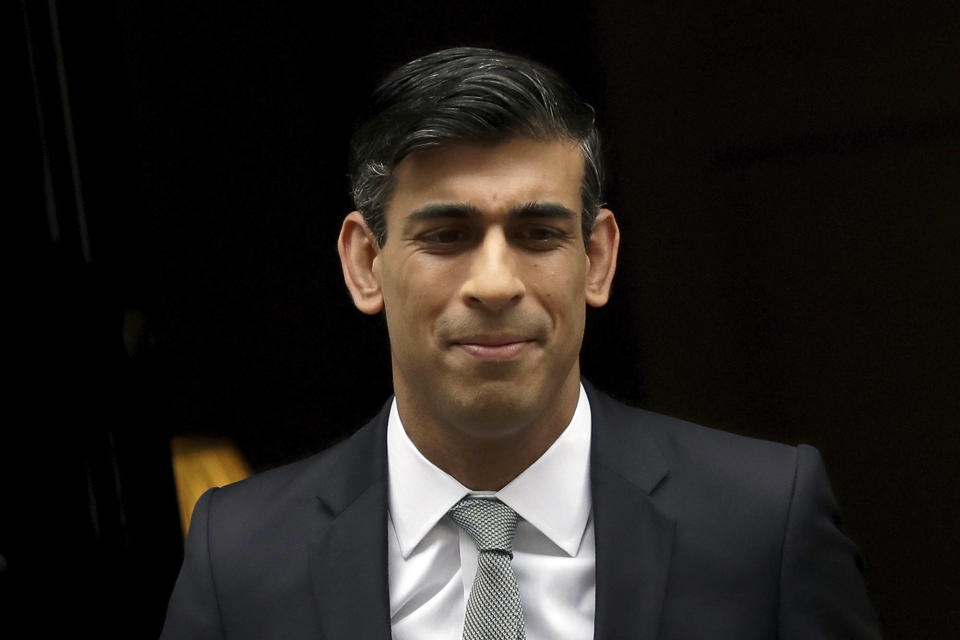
(491, 177)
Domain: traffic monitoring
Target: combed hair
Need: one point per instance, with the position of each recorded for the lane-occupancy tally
(467, 94)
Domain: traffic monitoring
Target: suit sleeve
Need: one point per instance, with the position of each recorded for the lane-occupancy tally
(823, 593)
(193, 611)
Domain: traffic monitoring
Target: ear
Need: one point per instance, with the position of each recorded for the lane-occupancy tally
(602, 258)
(359, 257)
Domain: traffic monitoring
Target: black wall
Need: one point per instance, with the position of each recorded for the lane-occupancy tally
(787, 181)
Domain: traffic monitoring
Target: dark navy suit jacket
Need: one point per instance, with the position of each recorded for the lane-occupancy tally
(699, 534)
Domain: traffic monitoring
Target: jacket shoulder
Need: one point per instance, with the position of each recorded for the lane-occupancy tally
(306, 486)
(694, 458)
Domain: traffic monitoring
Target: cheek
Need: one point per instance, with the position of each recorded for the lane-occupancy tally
(415, 295)
(560, 285)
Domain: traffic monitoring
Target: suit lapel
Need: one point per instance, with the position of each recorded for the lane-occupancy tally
(634, 538)
(348, 558)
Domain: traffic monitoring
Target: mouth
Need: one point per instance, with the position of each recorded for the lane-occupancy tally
(493, 347)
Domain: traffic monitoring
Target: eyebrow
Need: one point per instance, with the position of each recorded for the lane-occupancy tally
(466, 210)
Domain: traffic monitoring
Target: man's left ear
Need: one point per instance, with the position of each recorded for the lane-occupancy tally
(602, 258)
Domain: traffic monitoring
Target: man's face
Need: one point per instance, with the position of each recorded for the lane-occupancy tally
(483, 279)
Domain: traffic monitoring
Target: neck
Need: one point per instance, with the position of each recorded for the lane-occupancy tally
(487, 459)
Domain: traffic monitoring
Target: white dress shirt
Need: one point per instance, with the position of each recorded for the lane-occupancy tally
(432, 562)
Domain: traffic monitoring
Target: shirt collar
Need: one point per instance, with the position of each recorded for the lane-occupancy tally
(552, 494)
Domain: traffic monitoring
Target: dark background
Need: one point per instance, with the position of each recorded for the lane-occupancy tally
(786, 178)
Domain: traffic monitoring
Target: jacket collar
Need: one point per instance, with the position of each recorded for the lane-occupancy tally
(348, 557)
(634, 537)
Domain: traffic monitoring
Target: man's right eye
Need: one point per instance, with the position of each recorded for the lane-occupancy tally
(444, 236)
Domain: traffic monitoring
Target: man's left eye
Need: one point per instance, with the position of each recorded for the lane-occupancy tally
(541, 236)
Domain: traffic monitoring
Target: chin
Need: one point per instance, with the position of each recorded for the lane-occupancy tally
(496, 408)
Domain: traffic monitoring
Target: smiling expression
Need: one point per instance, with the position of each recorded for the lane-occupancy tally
(484, 279)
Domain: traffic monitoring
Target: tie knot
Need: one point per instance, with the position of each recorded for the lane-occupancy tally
(489, 522)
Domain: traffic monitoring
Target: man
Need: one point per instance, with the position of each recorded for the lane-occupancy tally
(496, 496)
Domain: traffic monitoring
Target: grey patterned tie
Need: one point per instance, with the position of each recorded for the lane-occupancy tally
(494, 611)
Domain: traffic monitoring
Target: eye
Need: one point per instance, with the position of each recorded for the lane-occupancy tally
(442, 237)
(541, 237)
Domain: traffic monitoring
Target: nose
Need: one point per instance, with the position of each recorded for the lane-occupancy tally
(493, 282)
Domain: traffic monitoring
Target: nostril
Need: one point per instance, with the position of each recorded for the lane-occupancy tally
(493, 293)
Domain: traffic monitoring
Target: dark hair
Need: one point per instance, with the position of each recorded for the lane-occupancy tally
(467, 94)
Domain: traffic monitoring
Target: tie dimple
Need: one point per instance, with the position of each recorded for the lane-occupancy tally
(494, 610)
